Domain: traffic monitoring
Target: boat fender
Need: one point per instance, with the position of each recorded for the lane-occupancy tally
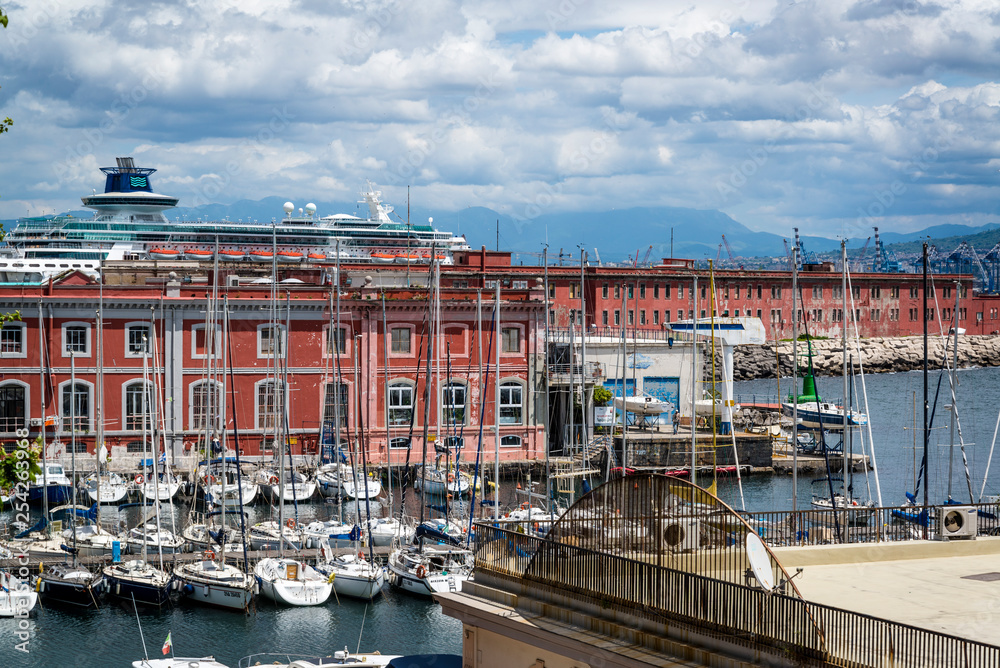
(41, 586)
(330, 579)
(118, 588)
(188, 589)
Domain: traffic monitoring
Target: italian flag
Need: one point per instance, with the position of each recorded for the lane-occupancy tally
(167, 646)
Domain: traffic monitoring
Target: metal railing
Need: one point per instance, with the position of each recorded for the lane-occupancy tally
(772, 622)
(588, 371)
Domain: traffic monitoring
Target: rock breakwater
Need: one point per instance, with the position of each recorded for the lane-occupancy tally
(877, 355)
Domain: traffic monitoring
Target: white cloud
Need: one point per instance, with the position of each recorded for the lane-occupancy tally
(778, 113)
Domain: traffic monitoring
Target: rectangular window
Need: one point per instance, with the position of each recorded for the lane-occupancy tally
(336, 338)
(642, 291)
(656, 317)
(642, 316)
(76, 339)
(552, 290)
(945, 292)
(775, 292)
(817, 291)
(618, 317)
(139, 340)
(666, 316)
(631, 291)
(138, 407)
(913, 292)
(680, 292)
(511, 340)
(604, 317)
(631, 317)
(75, 406)
(200, 344)
(400, 340)
(270, 404)
(666, 291)
(736, 313)
(332, 409)
(604, 291)
(760, 292)
(203, 404)
(656, 290)
(574, 291)
(736, 293)
(877, 292)
(894, 292)
(12, 340)
(270, 340)
(618, 291)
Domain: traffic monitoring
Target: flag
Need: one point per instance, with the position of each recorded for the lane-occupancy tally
(167, 646)
(163, 457)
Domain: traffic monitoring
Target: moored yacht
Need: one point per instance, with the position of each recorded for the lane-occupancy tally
(292, 582)
(211, 581)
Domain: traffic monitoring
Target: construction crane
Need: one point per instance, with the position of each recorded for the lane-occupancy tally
(860, 264)
(788, 254)
(645, 260)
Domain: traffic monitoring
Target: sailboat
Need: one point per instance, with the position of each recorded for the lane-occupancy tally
(69, 583)
(341, 478)
(17, 597)
(424, 569)
(352, 575)
(113, 487)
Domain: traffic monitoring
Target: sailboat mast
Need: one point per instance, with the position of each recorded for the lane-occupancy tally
(927, 433)
(583, 347)
(41, 387)
(694, 379)
(496, 412)
(385, 369)
(545, 366)
(795, 381)
(98, 412)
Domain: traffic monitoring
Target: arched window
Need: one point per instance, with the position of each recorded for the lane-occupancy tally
(138, 405)
(453, 403)
(204, 403)
(400, 404)
(13, 406)
(75, 404)
(511, 402)
(270, 404)
(510, 441)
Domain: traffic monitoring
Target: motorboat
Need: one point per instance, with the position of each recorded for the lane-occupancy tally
(292, 582)
(213, 582)
(17, 597)
(353, 575)
(113, 487)
(441, 482)
(287, 660)
(70, 584)
(384, 531)
(432, 569)
(138, 580)
(154, 538)
(298, 487)
(179, 662)
(269, 535)
(345, 480)
(53, 483)
(331, 532)
(818, 414)
(643, 404)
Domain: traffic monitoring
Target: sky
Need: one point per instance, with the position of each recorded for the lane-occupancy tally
(827, 115)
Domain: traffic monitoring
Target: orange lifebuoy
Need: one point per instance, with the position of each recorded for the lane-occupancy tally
(211, 480)
(451, 477)
(421, 571)
(361, 556)
(139, 479)
(273, 480)
(290, 523)
(209, 555)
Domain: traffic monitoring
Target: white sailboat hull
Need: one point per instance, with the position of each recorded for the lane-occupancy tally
(230, 591)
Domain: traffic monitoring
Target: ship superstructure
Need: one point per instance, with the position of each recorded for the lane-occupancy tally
(131, 223)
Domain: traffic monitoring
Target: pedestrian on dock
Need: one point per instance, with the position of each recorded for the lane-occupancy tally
(676, 420)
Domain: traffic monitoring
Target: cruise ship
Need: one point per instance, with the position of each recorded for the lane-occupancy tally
(131, 223)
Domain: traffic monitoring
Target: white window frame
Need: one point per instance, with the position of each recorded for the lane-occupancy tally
(445, 418)
(508, 383)
(129, 353)
(281, 341)
(89, 335)
(27, 400)
(322, 409)
(399, 442)
(192, 391)
(64, 419)
(200, 327)
(150, 389)
(397, 383)
(259, 424)
(510, 438)
(23, 330)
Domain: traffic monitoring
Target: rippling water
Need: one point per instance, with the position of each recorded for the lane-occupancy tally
(402, 624)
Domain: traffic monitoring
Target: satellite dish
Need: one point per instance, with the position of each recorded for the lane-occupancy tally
(288, 207)
(760, 561)
(310, 208)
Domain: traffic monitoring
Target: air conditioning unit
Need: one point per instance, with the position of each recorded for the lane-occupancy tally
(232, 281)
(35, 422)
(957, 522)
(682, 534)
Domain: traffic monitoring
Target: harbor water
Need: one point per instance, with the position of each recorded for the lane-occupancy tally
(397, 623)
